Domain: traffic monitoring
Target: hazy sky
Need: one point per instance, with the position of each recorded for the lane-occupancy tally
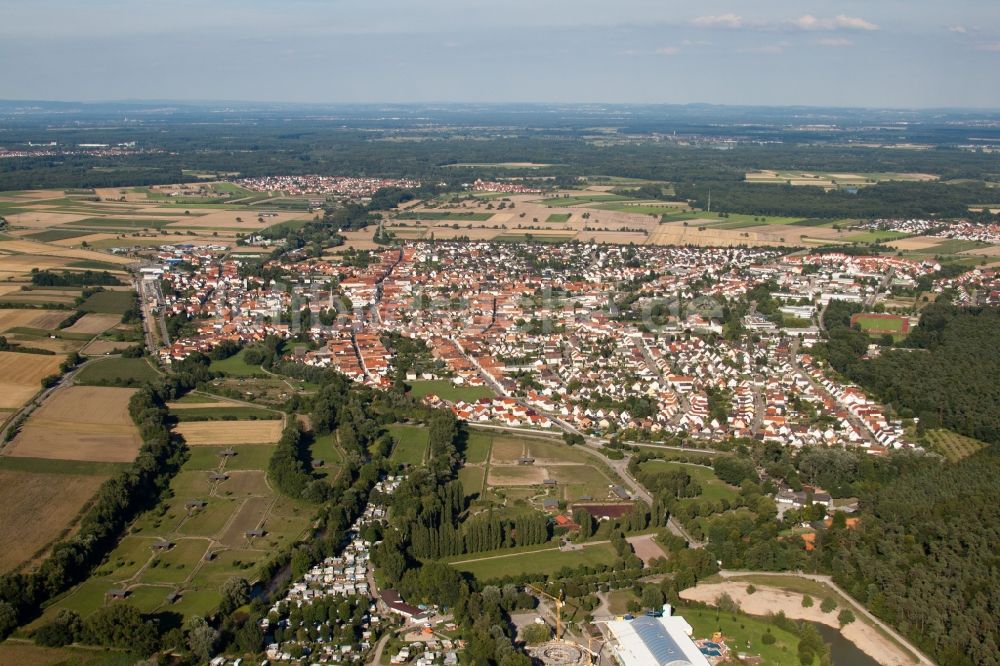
(816, 52)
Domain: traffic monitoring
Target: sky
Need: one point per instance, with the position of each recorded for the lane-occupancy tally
(870, 53)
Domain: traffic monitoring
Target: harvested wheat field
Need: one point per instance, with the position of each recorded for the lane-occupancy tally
(44, 319)
(52, 501)
(226, 219)
(49, 250)
(21, 376)
(208, 433)
(94, 323)
(915, 243)
(80, 423)
(40, 219)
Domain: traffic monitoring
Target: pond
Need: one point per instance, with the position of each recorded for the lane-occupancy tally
(843, 651)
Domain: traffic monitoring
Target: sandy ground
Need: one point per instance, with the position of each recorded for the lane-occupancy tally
(51, 500)
(80, 423)
(208, 433)
(771, 600)
(646, 548)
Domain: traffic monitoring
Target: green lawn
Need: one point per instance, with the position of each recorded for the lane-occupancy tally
(325, 448)
(744, 633)
(109, 302)
(236, 366)
(411, 444)
(876, 236)
(472, 480)
(225, 413)
(447, 390)
(115, 370)
(545, 562)
(477, 449)
(197, 398)
(450, 216)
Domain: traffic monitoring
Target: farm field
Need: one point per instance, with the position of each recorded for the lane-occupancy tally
(877, 236)
(21, 376)
(558, 217)
(951, 445)
(209, 544)
(26, 652)
(831, 180)
(53, 501)
(537, 561)
(115, 370)
(214, 411)
(40, 319)
(447, 390)
(80, 423)
(93, 323)
(209, 433)
(110, 302)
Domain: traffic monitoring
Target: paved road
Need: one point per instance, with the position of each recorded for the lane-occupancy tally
(828, 580)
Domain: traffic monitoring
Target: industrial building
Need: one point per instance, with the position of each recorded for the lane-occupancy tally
(654, 641)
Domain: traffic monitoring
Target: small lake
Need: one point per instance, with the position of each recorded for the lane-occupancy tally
(843, 651)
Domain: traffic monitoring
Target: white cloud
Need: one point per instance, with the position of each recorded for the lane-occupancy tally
(721, 21)
(960, 29)
(840, 22)
(835, 41)
(767, 49)
(668, 50)
(992, 47)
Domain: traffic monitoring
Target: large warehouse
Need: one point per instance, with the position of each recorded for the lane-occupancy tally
(655, 641)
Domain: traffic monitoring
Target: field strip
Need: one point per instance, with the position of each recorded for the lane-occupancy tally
(530, 552)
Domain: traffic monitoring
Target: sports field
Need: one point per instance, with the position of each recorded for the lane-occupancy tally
(80, 423)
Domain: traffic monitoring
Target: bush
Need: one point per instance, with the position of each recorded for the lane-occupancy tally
(845, 617)
(751, 589)
(807, 601)
(768, 638)
(828, 605)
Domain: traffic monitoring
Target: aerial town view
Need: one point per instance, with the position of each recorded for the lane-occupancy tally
(673, 340)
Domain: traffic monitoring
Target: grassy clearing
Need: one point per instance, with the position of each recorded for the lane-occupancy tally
(236, 413)
(546, 562)
(712, 487)
(109, 302)
(53, 466)
(876, 236)
(447, 390)
(472, 480)
(411, 444)
(618, 600)
(477, 449)
(559, 217)
(951, 445)
(56, 234)
(578, 199)
(117, 370)
(457, 216)
(236, 366)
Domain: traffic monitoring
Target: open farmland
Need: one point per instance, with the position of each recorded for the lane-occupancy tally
(21, 376)
(208, 433)
(53, 501)
(93, 323)
(120, 371)
(40, 319)
(80, 423)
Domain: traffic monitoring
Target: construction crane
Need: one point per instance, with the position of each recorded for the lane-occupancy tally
(559, 604)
